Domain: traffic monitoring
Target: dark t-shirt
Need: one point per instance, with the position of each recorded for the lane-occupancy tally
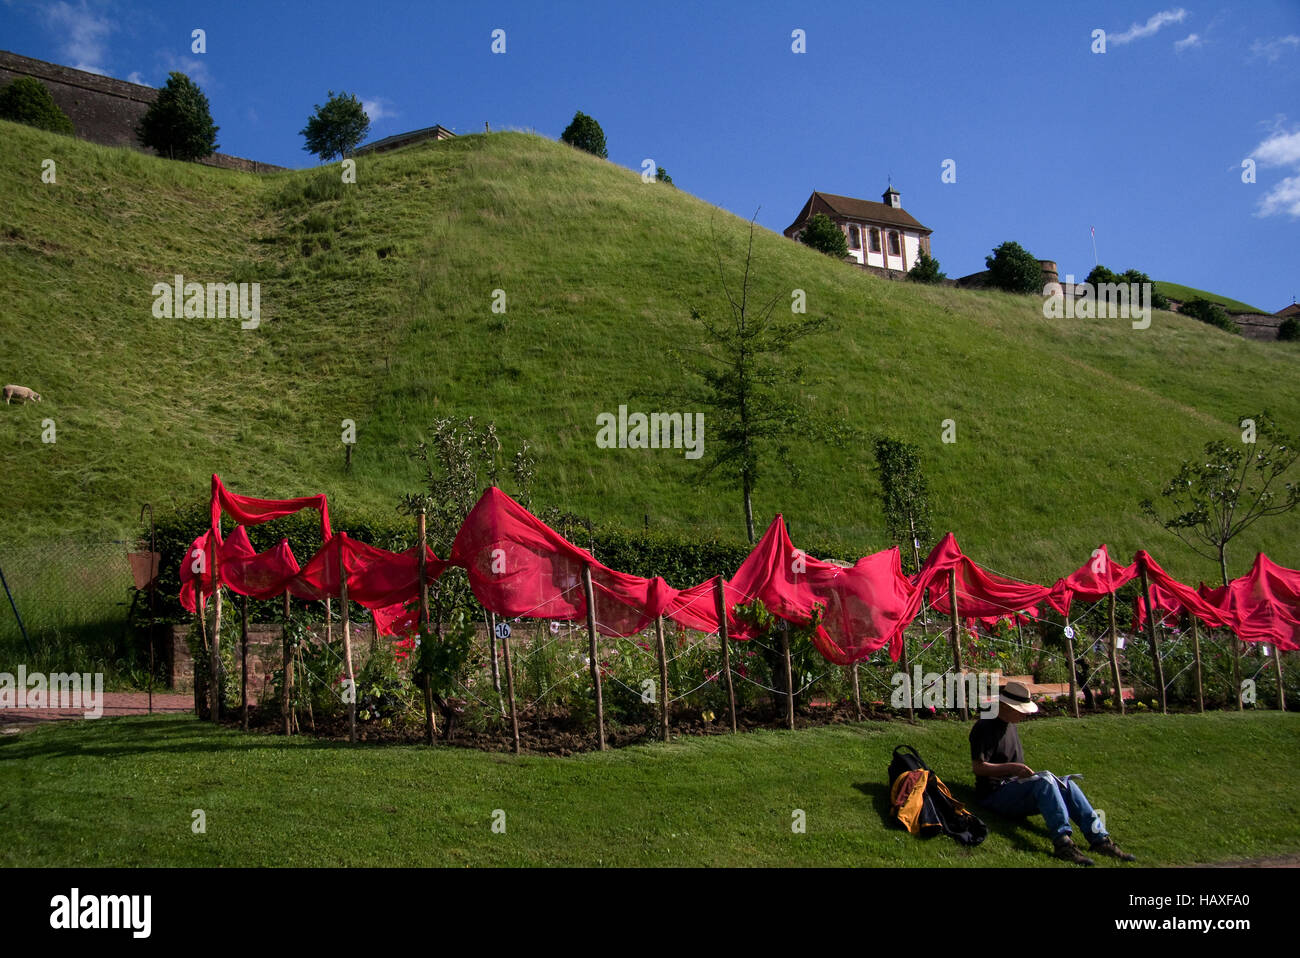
(996, 742)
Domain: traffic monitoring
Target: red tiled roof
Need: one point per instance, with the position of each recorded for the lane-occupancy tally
(846, 207)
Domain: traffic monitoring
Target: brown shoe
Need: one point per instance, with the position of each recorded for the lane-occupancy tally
(1108, 847)
(1066, 850)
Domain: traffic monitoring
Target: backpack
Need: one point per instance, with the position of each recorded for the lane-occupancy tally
(922, 804)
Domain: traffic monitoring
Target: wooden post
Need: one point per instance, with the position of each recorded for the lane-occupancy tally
(594, 653)
(203, 634)
(1114, 656)
(490, 620)
(720, 603)
(1196, 654)
(1074, 691)
(510, 690)
(907, 671)
(1151, 635)
(956, 633)
(1277, 669)
(286, 688)
(789, 676)
(329, 622)
(347, 638)
(422, 623)
(243, 662)
(662, 653)
(214, 649)
(1236, 668)
(857, 691)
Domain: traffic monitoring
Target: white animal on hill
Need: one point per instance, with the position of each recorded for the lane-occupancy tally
(21, 392)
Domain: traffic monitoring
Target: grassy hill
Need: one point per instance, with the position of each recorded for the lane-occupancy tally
(1182, 294)
(376, 307)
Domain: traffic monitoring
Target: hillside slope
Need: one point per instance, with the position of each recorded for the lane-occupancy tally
(376, 307)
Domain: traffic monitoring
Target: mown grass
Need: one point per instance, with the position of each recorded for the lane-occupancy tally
(1184, 293)
(122, 792)
(376, 307)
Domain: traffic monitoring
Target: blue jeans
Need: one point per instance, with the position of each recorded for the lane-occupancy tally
(1057, 804)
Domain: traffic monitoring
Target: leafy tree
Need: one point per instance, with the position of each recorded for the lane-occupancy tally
(27, 100)
(755, 397)
(1100, 274)
(585, 133)
(662, 176)
(1289, 330)
(1208, 312)
(904, 495)
(926, 270)
(461, 460)
(1014, 269)
(823, 235)
(178, 124)
(1215, 498)
(336, 128)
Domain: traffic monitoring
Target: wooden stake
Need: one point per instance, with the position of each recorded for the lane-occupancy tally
(720, 603)
(1114, 657)
(490, 620)
(907, 671)
(1074, 691)
(203, 634)
(1277, 669)
(789, 675)
(329, 622)
(1236, 669)
(1196, 654)
(1151, 635)
(857, 690)
(956, 632)
(347, 638)
(422, 623)
(662, 653)
(510, 691)
(286, 688)
(243, 662)
(214, 650)
(594, 653)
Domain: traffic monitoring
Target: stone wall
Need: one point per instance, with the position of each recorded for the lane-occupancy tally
(104, 110)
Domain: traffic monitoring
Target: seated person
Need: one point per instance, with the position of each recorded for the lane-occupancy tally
(1004, 783)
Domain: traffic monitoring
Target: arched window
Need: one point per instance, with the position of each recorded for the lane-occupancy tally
(873, 237)
(855, 238)
(894, 248)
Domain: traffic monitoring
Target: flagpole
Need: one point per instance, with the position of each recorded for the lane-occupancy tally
(1093, 231)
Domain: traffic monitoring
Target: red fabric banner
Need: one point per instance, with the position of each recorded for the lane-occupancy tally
(1094, 580)
(980, 594)
(1263, 605)
(250, 511)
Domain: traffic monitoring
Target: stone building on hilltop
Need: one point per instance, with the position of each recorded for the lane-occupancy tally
(883, 237)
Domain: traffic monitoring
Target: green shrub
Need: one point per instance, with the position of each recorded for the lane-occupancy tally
(1211, 313)
(1014, 269)
(26, 100)
(823, 235)
(1289, 331)
(926, 270)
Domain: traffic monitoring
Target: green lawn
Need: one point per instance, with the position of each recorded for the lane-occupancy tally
(1175, 790)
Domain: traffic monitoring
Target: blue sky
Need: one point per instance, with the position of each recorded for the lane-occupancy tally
(1145, 142)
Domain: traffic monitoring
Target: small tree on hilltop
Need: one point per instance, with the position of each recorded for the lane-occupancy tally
(178, 124)
(1014, 269)
(662, 176)
(585, 133)
(336, 128)
(26, 100)
(823, 235)
(1100, 275)
(1215, 498)
(1212, 313)
(926, 270)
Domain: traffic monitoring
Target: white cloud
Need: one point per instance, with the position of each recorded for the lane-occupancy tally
(193, 67)
(1192, 40)
(1282, 198)
(1274, 50)
(135, 77)
(1154, 22)
(378, 108)
(1280, 148)
(82, 32)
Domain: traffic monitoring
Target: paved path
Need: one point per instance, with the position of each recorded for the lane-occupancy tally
(115, 703)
